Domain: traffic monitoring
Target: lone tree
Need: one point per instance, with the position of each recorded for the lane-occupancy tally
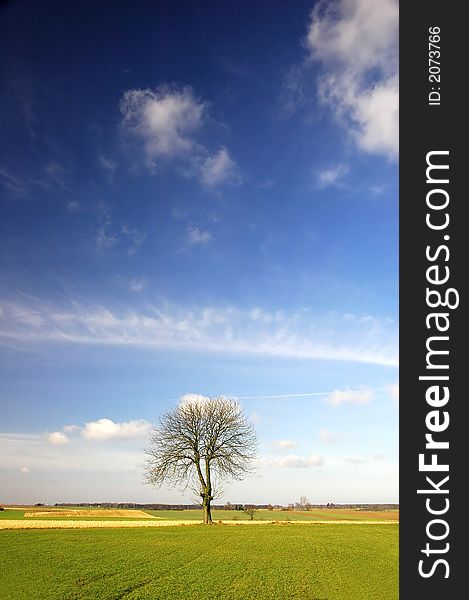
(199, 444)
(250, 510)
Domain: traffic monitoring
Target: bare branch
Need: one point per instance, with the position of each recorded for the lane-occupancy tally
(201, 444)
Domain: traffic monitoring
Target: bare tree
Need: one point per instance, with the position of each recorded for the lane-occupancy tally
(250, 510)
(200, 444)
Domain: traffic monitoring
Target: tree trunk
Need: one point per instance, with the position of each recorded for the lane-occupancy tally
(207, 495)
(207, 508)
(207, 513)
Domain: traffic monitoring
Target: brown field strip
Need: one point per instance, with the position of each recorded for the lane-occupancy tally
(98, 512)
(51, 524)
(339, 513)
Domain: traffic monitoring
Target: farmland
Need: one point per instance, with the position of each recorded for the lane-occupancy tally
(275, 561)
(323, 514)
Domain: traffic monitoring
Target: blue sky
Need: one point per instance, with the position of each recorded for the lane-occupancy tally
(198, 198)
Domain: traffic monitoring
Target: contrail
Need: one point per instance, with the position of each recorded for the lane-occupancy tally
(306, 394)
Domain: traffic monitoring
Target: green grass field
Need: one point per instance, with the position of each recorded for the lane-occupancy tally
(277, 562)
(322, 514)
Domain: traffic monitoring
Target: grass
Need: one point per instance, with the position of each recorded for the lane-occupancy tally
(11, 514)
(277, 562)
(323, 514)
(22, 514)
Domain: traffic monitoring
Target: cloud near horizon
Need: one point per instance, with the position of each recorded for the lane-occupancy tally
(354, 397)
(292, 461)
(57, 438)
(286, 444)
(101, 430)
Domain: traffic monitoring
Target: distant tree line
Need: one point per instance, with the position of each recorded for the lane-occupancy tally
(226, 506)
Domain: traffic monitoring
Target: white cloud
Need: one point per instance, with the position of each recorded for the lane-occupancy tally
(106, 429)
(332, 176)
(70, 428)
(167, 122)
(198, 236)
(193, 399)
(25, 470)
(292, 461)
(341, 397)
(219, 169)
(356, 43)
(57, 438)
(286, 444)
(229, 330)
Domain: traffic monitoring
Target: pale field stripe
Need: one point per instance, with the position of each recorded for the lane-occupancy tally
(103, 513)
(50, 524)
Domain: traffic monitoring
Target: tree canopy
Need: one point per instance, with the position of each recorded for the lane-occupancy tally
(200, 444)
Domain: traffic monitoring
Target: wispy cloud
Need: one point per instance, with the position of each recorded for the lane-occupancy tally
(138, 285)
(111, 236)
(135, 239)
(229, 330)
(286, 444)
(12, 184)
(49, 176)
(105, 240)
(362, 460)
(354, 397)
(108, 167)
(167, 123)
(356, 44)
(332, 176)
(194, 236)
(219, 169)
(294, 93)
(55, 174)
(292, 461)
(132, 284)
